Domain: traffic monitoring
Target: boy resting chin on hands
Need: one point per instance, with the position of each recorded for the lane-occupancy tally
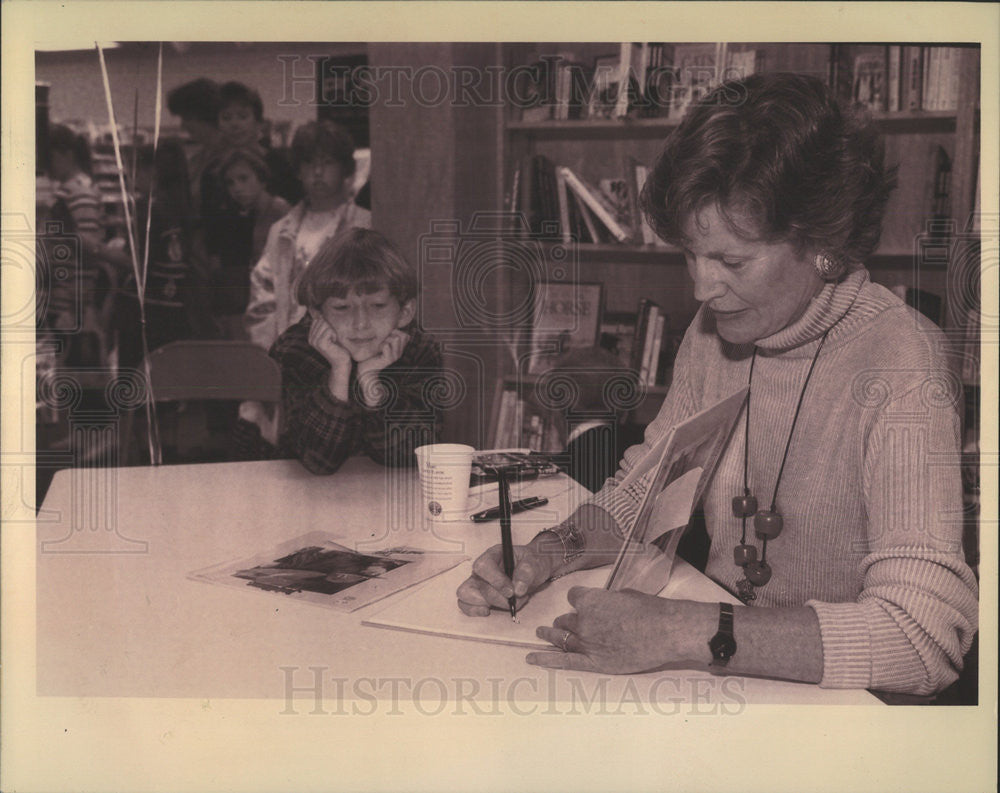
(355, 367)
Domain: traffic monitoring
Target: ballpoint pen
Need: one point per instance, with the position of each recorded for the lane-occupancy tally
(506, 541)
(517, 506)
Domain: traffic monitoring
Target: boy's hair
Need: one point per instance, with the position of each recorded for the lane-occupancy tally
(247, 155)
(234, 93)
(323, 138)
(358, 260)
(198, 99)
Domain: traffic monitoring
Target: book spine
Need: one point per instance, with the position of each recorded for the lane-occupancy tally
(624, 68)
(564, 227)
(654, 360)
(647, 346)
(931, 68)
(639, 337)
(595, 206)
(913, 60)
(895, 68)
(587, 218)
(949, 100)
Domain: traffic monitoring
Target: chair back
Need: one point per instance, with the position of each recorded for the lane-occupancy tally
(199, 369)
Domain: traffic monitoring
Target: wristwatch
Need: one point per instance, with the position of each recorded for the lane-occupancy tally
(723, 644)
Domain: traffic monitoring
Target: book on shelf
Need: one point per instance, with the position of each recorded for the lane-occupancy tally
(654, 356)
(868, 81)
(740, 64)
(522, 424)
(912, 91)
(894, 67)
(593, 234)
(643, 233)
(617, 334)
(564, 227)
(596, 203)
(696, 70)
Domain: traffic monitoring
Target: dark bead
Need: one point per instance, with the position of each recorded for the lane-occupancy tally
(744, 506)
(767, 524)
(758, 573)
(744, 554)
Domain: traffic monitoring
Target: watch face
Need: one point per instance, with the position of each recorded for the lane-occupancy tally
(722, 645)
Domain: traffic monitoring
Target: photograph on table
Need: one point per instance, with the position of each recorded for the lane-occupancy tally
(317, 569)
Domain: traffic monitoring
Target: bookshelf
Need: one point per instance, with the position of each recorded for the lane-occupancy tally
(921, 141)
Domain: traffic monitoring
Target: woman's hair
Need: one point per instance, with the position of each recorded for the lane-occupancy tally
(198, 99)
(64, 139)
(777, 152)
(234, 93)
(357, 260)
(326, 139)
(248, 156)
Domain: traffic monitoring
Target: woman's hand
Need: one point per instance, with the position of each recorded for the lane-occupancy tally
(627, 631)
(488, 587)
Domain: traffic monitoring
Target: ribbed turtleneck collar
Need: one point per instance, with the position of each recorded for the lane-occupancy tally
(823, 312)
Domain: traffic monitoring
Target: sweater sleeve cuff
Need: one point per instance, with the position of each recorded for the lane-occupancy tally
(618, 505)
(846, 645)
(329, 404)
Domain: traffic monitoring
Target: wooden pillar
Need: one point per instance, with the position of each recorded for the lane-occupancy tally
(434, 148)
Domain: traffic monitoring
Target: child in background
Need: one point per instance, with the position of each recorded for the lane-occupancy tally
(241, 119)
(175, 296)
(355, 367)
(75, 302)
(239, 236)
(197, 105)
(323, 153)
(595, 436)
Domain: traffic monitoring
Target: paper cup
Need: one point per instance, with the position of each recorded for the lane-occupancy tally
(444, 479)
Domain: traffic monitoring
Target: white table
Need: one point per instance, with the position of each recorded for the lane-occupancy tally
(117, 615)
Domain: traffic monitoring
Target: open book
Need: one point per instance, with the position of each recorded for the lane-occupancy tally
(677, 470)
(672, 477)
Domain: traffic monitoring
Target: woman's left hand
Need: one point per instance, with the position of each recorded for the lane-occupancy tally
(625, 632)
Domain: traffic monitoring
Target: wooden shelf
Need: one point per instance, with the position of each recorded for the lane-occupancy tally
(595, 128)
(900, 121)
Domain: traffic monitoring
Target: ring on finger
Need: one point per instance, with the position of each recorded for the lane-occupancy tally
(565, 641)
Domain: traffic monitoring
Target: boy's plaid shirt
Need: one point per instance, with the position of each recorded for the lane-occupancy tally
(322, 431)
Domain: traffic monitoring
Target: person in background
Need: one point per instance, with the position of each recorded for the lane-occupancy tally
(590, 422)
(175, 298)
(241, 121)
(239, 235)
(356, 367)
(323, 154)
(197, 105)
(78, 300)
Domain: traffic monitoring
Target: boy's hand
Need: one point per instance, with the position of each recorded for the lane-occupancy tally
(323, 338)
(388, 353)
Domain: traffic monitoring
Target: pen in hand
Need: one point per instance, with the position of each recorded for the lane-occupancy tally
(506, 541)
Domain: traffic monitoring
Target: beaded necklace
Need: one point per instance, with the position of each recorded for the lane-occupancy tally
(767, 523)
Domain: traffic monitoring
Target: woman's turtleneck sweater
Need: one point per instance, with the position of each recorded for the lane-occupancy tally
(871, 493)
